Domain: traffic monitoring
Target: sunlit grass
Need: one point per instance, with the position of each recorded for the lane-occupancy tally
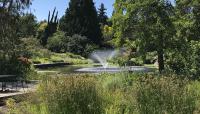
(121, 93)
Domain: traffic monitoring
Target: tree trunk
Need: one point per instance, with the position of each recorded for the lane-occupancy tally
(161, 60)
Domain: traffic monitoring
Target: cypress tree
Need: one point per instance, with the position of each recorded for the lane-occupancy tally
(102, 15)
(81, 18)
(51, 27)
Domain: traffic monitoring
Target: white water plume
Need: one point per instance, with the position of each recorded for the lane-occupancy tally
(102, 56)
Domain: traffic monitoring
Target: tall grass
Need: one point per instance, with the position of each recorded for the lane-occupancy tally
(165, 95)
(72, 94)
(65, 95)
(121, 93)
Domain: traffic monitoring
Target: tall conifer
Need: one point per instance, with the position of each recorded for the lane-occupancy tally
(102, 15)
(81, 18)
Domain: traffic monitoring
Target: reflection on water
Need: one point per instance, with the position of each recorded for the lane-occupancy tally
(63, 70)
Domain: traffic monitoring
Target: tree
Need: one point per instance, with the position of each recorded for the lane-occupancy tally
(118, 23)
(27, 25)
(9, 16)
(81, 18)
(149, 24)
(187, 24)
(41, 29)
(51, 27)
(102, 15)
(10, 43)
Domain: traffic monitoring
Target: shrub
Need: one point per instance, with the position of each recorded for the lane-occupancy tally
(55, 43)
(19, 66)
(75, 44)
(150, 58)
(124, 61)
(187, 62)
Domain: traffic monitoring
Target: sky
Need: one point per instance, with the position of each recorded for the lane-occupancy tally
(41, 7)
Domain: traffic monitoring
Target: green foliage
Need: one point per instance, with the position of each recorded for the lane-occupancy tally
(126, 61)
(41, 29)
(50, 57)
(186, 62)
(9, 21)
(107, 32)
(55, 43)
(196, 59)
(150, 58)
(10, 45)
(51, 27)
(102, 17)
(154, 30)
(75, 44)
(78, 45)
(39, 54)
(114, 93)
(66, 95)
(27, 25)
(157, 95)
(81, 18)
(18, 66)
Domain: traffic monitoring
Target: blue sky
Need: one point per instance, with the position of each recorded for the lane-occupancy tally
(41, 7)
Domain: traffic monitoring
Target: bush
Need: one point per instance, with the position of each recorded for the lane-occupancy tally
(19, 66)
(124, 61)
(187, 62)
(55, 43)
(76, 44)
(150, 58)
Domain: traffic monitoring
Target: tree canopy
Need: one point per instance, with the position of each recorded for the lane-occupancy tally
(148, 23)
(81, 18)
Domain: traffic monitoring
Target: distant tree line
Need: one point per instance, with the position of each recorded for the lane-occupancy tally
(82, 28)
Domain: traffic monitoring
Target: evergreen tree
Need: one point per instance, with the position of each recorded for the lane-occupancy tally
(81, 18)
(102, 15)
(51, 27)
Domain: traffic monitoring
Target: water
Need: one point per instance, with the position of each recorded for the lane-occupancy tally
(68, 69)
(103, 56)
(114, 69)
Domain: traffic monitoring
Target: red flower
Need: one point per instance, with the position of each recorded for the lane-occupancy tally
(24, 60)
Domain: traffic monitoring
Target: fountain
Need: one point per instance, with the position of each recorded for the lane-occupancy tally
(102, 57)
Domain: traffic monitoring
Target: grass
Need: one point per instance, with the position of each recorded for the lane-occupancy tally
(39, 54)
(59, 57)
(121, 93)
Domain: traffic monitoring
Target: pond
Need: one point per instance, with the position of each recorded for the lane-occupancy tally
(68, 69)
